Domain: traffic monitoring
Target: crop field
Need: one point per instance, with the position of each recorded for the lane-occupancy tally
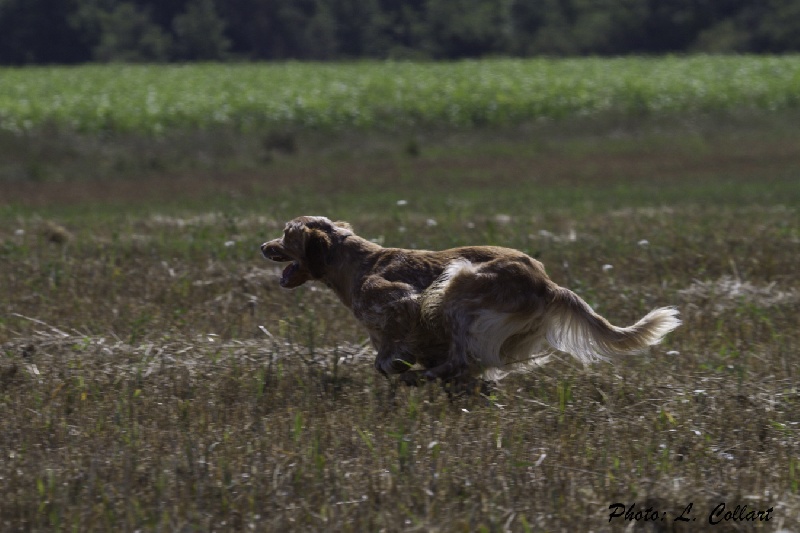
(155, 99)
(155, 377)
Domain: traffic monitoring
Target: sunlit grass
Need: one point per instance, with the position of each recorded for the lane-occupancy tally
(256, 97)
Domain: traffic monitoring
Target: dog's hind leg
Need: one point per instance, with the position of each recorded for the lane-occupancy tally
(480, 307)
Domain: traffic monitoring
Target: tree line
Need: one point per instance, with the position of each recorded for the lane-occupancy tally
(78, 31)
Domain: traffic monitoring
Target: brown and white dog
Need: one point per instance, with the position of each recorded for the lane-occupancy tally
(458, 313)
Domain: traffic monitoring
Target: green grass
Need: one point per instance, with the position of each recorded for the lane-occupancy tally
(369, 95)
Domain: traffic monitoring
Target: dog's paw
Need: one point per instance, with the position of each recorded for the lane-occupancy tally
(387, 366)
(379, 367)
(413, 378)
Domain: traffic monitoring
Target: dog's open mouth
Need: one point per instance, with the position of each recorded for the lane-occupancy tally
(289, 277)
(294, 274)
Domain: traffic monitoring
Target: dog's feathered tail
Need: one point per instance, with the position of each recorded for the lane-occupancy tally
(573, 327)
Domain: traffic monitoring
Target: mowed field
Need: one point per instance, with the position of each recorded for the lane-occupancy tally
(155, 377)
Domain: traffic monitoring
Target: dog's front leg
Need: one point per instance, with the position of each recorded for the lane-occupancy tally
(456, 367)
(390, 310)
(393, 358)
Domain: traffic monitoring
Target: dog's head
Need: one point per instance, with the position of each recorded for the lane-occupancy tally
(306, 245)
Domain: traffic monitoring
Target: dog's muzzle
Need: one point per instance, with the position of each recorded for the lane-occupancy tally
(274, 253)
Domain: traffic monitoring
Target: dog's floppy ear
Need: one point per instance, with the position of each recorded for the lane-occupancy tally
(317, 245)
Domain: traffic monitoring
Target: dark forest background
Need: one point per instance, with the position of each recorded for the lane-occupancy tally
(77, 31)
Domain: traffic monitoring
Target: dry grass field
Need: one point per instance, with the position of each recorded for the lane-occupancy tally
(154, 376)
